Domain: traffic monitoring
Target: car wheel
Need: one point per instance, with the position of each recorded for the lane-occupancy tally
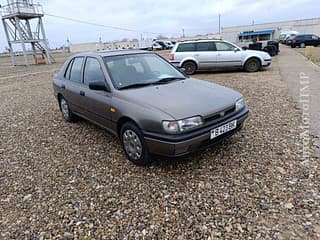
(190, 67)
(134, 145)
(252, 65)
(66, 111)
(302, 45)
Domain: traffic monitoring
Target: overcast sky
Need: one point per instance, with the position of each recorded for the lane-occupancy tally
(165, 17)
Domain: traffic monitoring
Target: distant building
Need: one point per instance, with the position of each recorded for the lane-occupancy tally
(270, 31)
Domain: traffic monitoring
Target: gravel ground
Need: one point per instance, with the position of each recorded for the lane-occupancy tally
(65, 181)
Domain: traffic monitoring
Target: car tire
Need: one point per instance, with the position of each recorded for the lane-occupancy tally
(302, 45)
(134, 145)
(190, 67)
(252, 65)
(65, 110)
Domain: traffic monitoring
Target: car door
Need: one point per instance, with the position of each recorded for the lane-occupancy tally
(315, 40)
(308, 40)
(227, 56)
(72, 83)
(95, 103)
(206, 55)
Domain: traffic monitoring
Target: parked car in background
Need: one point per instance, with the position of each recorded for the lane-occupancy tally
(285, 34)
(216, 54)
(288, 40)
(163, 44)
(303, 40)
(170, 44)
(156, 46)
(148, 103)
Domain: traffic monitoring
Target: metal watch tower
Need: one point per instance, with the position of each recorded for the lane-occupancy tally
(22, 22)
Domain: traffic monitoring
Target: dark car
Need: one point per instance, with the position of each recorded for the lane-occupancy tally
(148, 103)
(289, 39)
(305, 40)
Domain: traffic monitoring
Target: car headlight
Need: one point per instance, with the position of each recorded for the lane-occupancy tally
(182, 125)
(240, 104)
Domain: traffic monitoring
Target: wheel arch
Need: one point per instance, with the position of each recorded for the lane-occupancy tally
(122, 120)
(59, 96)
(189, 59)
(252, 57)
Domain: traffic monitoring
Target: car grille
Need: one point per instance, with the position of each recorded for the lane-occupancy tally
(220, 115)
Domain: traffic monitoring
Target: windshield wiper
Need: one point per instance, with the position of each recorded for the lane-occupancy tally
(135, 85)
(168, 79)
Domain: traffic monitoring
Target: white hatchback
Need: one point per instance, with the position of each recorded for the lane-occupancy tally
(216, 54)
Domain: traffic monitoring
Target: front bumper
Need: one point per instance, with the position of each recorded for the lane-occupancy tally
(266, 62)
(179, 145)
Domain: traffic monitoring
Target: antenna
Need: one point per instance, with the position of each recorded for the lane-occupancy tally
(17, 19)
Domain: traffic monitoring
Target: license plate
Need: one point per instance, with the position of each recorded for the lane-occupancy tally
(223, 129)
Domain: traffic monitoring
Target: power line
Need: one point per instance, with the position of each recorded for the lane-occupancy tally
(101, 25)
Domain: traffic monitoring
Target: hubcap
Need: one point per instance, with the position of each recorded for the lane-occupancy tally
(189, 68)
(132, 144)
(252, 66)
(64, 108)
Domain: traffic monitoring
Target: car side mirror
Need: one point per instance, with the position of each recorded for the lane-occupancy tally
(98, 86)
(236, 49)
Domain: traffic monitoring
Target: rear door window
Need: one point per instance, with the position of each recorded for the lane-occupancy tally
(187, 47)
(205, 46)
(308, 37)
(75, 73)
(92, 71)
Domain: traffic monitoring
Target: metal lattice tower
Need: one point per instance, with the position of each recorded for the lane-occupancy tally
(22, 22)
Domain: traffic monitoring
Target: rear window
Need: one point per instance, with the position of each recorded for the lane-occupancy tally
(186, 47)
(67, 73)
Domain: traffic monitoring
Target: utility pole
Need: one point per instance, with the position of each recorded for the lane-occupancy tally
(183, 33)
(219, 24)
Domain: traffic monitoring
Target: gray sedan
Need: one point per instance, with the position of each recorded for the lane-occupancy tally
(153, 107)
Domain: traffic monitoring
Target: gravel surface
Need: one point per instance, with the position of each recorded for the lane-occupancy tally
(65, 181)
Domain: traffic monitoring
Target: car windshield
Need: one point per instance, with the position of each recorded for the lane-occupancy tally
(137, 70)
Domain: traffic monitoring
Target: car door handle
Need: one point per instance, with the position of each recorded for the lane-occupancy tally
(82, 93)
(63, 86)
(196, 55)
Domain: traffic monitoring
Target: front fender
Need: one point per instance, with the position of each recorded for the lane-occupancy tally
(146, 117)
(252, 56)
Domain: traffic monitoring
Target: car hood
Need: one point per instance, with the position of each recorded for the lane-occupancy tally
(183, 99)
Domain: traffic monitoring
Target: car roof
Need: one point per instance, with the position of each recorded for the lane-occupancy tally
(203, 40)
(109, 53)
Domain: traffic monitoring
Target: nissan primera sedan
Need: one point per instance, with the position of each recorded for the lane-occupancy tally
(153, 107)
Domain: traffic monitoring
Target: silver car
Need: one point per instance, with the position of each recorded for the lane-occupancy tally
(211, 54)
